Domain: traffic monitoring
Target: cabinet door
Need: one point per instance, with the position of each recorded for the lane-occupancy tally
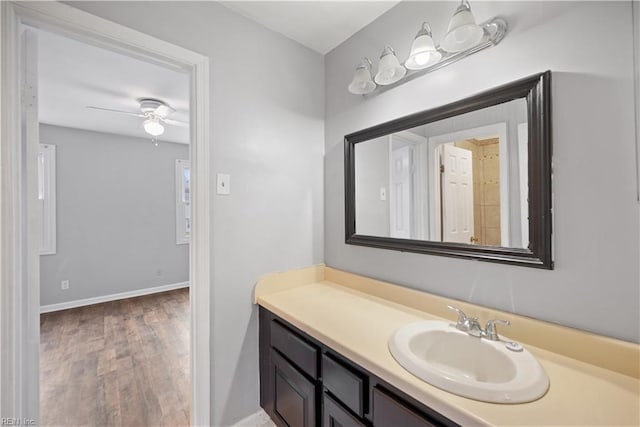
(334, 415)
(294, 396)
(388, 411)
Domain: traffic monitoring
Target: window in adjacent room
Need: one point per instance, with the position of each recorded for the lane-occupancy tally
(183, 201)
(47, 197)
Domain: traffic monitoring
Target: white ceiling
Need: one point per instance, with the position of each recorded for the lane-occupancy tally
(73, 75)
(319, 25)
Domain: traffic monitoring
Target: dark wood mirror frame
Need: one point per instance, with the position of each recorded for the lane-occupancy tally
(537, 92)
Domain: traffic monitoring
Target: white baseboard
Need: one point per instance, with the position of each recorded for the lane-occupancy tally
(259, 419)
(113, 297)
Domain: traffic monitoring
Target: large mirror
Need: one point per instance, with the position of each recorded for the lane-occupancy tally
(469, 179)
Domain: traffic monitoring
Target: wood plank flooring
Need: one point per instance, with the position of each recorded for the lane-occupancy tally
(120, 363)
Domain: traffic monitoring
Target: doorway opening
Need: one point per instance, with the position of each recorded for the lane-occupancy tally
(21, 204)
(470, 180)
(470, 191)
(113, 186)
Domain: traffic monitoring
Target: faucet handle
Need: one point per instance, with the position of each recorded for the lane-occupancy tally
(462, 318)
(490, 331)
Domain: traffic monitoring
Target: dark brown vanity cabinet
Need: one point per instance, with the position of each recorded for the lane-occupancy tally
(289, 386)
(303, 383)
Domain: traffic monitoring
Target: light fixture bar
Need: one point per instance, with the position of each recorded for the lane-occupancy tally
(494, 31)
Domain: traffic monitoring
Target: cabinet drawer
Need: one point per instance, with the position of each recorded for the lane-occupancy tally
(295, 348)
(334, 415)
(346, 384)
(389, 411)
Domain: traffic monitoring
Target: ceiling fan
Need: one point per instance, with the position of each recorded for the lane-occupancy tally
(155, 113)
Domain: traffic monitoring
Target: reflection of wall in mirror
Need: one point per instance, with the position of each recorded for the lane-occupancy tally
(371, 176)
(407, 185)
(405, 202)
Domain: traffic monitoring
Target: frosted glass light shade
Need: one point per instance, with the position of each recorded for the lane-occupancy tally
(389, 68)
(423, 51)
(362, 83)
(153, 127)
(462, 32)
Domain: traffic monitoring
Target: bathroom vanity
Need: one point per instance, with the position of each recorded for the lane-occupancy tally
(305, 383)
(324, 360)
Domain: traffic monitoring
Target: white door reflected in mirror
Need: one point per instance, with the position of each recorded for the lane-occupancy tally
(456, 194)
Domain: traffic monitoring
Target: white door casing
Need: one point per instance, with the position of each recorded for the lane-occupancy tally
(30, 139)
(457, 194)
(523, 177)
(635, 7)
(19, 266)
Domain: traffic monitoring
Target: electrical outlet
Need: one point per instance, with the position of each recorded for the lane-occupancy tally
(64, 285)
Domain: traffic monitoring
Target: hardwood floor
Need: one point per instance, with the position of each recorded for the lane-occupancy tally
(120, 363)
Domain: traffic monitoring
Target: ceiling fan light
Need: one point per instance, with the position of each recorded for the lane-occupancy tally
(423, 51)
(462, 32)
(153, 127)
(389, 68)
(362, 83)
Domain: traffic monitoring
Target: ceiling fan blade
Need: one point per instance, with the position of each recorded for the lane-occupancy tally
(175, 122)
(129, 113)
(163, 110)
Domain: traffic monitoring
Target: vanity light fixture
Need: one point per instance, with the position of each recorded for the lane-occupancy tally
(423, 51)
(462, 32)
(362, 82)
(389, 68)
(463, 38)
(153, 127)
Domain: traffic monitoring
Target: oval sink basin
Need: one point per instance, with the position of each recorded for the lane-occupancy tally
(438, 353)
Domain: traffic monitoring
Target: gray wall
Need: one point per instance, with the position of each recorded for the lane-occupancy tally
(267, 131)
(595, 285)
(115, 216)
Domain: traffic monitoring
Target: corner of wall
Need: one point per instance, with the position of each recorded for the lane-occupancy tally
(635, 7)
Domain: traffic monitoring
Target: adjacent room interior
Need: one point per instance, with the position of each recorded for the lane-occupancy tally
(114, 188)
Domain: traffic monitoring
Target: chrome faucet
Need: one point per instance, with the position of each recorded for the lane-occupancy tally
(490, 332)
(467, 324)
(471, 325)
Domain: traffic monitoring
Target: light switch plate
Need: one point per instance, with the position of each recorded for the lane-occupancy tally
(223, 185)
